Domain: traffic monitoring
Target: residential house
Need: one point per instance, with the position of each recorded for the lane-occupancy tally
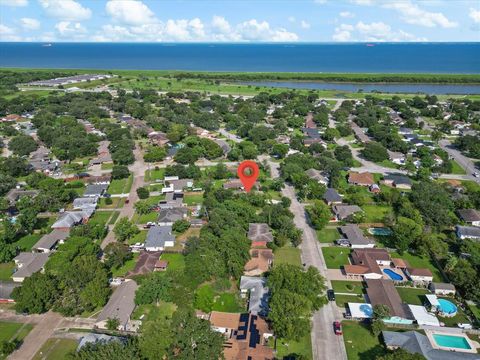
(49, 242)
(120, 306)
(256, 288)
(414, 342)
(6, 289)
(172, 200)
(396, 157)
(398, 181)
(343, 212)
(15, 194)
(359, 133)
(246, 336)
(159, 238)
(260, 262)
(145, 264)
(161, 265)
(383, 292)
(158, 138)
(309, 123)
(470, 216)
(166, 217)
(68, 219)
(468, 232)
(354, 235)
(442, 288)
(95, 190)
(362, 179)
(317, 175)
(260, 234)
(331, 196)
(92, 338)
(11, 117)
(366, 263)
(233, 184)
(419, 276)
(28, 263)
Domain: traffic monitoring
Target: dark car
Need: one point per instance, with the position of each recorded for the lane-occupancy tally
(331, 295)
(337, 327)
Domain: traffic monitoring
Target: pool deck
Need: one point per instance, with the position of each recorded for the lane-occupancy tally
(430, 331)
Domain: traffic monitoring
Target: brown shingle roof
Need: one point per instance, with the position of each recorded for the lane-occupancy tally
(469, 215)
(361, 178)
(224, 320)
(419, 272)
(400, 263)
(382, 292)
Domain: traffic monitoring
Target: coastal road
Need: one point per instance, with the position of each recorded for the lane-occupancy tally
(325, 344)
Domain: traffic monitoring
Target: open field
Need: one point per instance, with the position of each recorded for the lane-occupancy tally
(287, 255)
(56, 349)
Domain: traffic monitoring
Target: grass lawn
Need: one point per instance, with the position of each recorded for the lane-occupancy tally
(360, 343)
(328, 235)
(13, 330)
(286, 347)
(227, 302)
(388, 163)
(164, 310)
(120, 186)
(287, 255)
(144, 218)
(116, 203)
(475, 310)
(342, 300)
(349, 287)
(154, 174)
(420, 262)
(154, 200)
(175, 261)
(140, 238)
(207, 297)
(457, 169)
(412, 296)
(54, 349)
(114, 217)
(107, 166)
(195, 199)
(335, 257)
(375, 213)
(6, 270)
(100, 217)
(26, 242)
(128, 266)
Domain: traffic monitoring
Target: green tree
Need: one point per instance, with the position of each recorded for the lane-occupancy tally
(406, 232)
(319, 214)
(154, 154)
(116, 254)
(180, 226)
(22, 145)
(400, 354)
(113, 324)
(142, 207)
(37, 294)
(125, 229)
(120, 172)
(143, 193)
(374, 151)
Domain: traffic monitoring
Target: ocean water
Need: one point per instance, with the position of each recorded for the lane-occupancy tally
(459, 58)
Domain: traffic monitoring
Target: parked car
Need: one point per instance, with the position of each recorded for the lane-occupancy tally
(331, 295)
(127, 201)
(337, 327)
(476, 174)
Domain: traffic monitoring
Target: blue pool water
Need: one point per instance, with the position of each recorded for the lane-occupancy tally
(458, 342)
(447, 307)
(380, 231)
(393, 275)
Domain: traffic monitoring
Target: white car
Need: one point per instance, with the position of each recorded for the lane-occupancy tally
(476, 174)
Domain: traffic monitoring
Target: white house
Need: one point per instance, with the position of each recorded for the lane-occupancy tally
(419, 275)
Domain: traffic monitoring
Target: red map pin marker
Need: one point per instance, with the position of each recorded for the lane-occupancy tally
(248, 173)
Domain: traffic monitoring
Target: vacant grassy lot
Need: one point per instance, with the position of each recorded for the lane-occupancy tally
(116, 203)
(54, 349)
(107, 166)
(13, 330)
(420, 262)
(457, 169)
(101, 217)
(145, 218)
(6, 270)
(412, 296)
(120, 186)
(139, 238)
(360, 343)
(343, 300)
(328, 235)
(348, 287)
(287, 255)
(375, 213)
(193, 199)
(162, 311)
(155, 174)
(175, 261)
(207, 298)
(335, 257)
(288, 347)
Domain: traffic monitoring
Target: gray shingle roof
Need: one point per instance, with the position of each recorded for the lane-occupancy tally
(468, 231)
(469, 215)
(260, 232)
(355, 235)
(158, 235)
(344, 211)
(398, 179)
(29, 263)
(95, 189)
(331, 195)
(6, 288)
(258, 302)
(171, 215)
(50, 240)
(121, 303)
(69, 219)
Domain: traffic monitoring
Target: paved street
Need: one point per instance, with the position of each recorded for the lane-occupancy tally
(325, 344)
(465, 162)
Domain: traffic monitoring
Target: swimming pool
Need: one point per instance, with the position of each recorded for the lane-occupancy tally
(393, 275)
(380, 231)
(447, 307)
(451, 341)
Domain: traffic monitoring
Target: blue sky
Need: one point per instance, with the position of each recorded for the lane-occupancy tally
(239, 20)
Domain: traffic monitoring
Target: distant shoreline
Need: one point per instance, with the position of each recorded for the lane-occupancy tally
(233, 76)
